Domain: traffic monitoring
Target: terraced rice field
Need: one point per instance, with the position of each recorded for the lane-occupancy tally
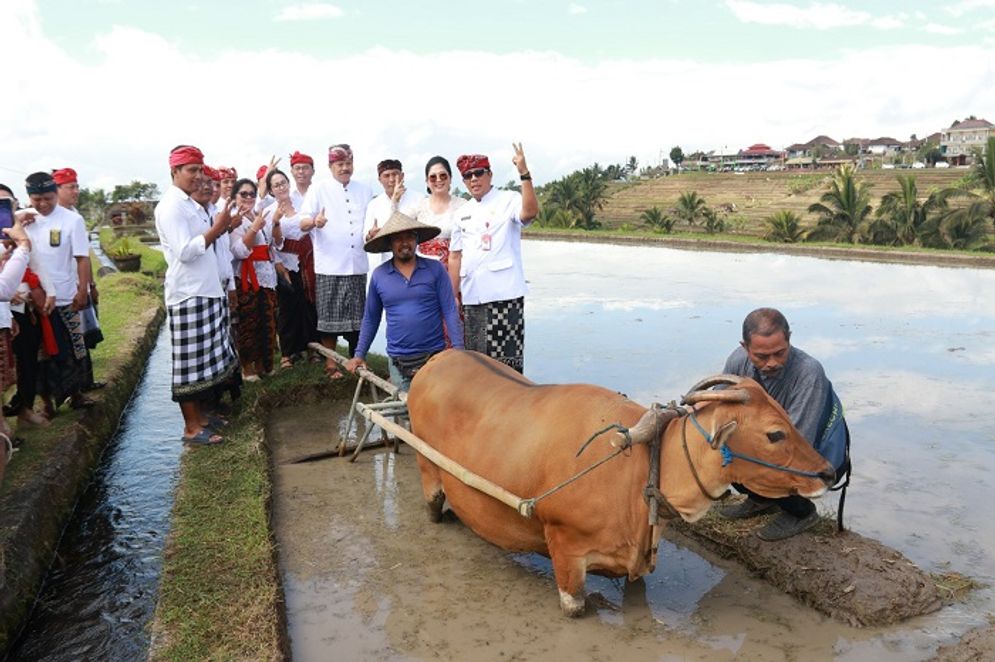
(748, 198)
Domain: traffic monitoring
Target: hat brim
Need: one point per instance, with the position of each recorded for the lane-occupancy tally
(381, 242)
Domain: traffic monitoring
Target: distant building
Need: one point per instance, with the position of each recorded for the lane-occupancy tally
(962, 138)
(884, 146)
(758, 155)
(827, 144)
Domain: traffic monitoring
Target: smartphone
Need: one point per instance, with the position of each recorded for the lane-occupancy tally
(6, 213)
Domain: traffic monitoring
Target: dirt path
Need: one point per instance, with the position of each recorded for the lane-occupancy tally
(366, 576)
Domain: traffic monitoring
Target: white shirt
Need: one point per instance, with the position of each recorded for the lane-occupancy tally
(265, 270)
(42, 273)
(67, 231)
(338, 247)
(191, 269)
(291, 229)
(12, 274)
(489, 234)
(379, 211)
(222, 251)
(443, 221)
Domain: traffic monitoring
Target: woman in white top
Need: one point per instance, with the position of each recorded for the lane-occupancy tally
(438, 209)
(296, 319)
(251, 244)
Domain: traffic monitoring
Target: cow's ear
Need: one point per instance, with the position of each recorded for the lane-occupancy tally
(720, 438)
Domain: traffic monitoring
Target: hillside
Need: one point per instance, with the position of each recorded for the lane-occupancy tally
(750, 197)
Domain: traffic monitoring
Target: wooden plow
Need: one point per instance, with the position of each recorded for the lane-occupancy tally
(385, 413)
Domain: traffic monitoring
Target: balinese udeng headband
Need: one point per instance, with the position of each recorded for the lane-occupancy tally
(298, 158)
(227, 173)
(185, 155)
(471, 161)
(41, 186)
(339, 153)
(388, 164)
(64, 176)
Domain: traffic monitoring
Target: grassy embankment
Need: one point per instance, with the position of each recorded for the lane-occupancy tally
(220, 595)
(153, 262)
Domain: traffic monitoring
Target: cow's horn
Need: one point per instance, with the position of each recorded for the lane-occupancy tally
(715, 380)
(727, 395)
(648, 427)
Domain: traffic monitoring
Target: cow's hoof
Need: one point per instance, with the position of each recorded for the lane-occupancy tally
(435, 507)
(572, 606)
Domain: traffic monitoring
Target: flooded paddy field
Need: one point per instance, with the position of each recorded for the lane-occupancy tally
(910, 350)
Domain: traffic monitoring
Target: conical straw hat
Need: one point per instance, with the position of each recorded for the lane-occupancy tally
(399, 222)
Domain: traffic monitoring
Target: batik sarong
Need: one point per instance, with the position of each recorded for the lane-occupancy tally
(497, 329)
(203, 352)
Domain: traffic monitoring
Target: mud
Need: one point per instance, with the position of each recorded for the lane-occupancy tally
(845, 575)
(366, 576)
(976, 646)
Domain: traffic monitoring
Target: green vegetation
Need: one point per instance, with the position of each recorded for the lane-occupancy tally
(842, 209)
(658, 220)
(220, 595)
(153, 261)
(785, 227)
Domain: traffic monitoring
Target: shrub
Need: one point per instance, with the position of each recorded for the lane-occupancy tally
(785, 227)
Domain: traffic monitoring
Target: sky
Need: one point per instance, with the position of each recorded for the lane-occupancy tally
(109, 86)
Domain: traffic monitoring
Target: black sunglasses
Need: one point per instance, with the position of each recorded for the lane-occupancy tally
(441, 177)
(246, 194)
(478, 173)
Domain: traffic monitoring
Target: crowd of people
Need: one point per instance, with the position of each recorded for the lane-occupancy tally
(263, 266)
(48, 304)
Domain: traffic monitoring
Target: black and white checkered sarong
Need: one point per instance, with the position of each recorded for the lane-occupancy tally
(340, 301)
(497, 329)
(203, 352)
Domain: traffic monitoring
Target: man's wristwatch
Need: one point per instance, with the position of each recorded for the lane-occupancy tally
(526, 176)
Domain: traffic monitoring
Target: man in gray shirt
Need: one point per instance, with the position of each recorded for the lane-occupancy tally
(799, 384)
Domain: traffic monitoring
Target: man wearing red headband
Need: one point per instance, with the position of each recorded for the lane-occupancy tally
(336, 210)
(302, 168)
(485, 262)
(197, 307)
(395, 197)
(228, 178)
(68, 191)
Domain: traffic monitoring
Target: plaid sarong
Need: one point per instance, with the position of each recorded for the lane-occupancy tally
(497, 329)
(340, 302)
(203, 353)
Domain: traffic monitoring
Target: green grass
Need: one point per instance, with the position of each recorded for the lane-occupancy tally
(153, 261)
(220, 595)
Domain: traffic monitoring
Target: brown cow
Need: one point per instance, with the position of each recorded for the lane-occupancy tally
(525, 437)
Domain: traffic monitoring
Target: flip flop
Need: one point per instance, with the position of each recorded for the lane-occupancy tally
(203, 438)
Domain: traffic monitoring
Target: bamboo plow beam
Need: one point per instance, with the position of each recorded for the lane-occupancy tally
(352, 415)
(370, 376)
(387, 408)
(524, 507)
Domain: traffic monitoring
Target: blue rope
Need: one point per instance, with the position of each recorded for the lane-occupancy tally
(729, 454)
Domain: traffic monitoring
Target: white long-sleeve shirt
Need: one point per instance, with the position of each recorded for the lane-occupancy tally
(191, 269)
(338, 247)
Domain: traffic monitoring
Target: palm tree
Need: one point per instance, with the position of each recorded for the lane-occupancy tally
(690, 207)
(551, 216)
(843, 208)
(784, 226)
(902, 219)
(984, 176)
(657, 219)
(967, 227)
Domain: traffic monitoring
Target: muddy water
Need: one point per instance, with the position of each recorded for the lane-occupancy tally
(910, 350)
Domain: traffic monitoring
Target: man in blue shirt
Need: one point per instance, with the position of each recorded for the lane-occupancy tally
(799, 384)
(416, 294)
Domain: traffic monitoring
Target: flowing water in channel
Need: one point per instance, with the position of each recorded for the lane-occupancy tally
(99, 595)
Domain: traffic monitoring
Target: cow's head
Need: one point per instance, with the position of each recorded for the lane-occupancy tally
(750, 423)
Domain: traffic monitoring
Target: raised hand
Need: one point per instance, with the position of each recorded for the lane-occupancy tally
(519, 158)
(320, 220)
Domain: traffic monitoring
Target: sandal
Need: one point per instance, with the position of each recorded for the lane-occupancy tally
(81, 402)
(203, 438)
(286, 362)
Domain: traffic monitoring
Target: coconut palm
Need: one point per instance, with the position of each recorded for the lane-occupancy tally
(984, 176)
(966, 227)
(902, 219)
(657, 219)
(690, 207)
(784, 226)
(843, 208)
(551, 216)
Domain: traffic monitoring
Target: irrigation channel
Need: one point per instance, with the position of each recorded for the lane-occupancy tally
(910, 349)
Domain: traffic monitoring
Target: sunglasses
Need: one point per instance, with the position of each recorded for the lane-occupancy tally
(441, 177)
(246, 194)
(478, 173)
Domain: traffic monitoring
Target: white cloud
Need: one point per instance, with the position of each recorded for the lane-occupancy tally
(817, 15)
(574, 9)
(143, 94)
(937, 28)
(309, 12)
(958, 9)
